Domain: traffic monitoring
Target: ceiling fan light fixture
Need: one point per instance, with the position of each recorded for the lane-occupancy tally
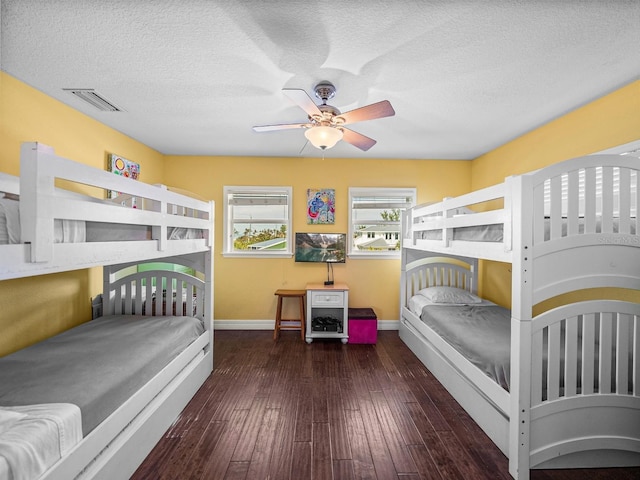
(325, 125)
(323, 137)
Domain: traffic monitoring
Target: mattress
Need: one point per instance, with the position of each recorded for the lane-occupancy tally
(480, 332)
(97, 365)
(494, 233)
(73, 231)
(64, 230)
(479, 233)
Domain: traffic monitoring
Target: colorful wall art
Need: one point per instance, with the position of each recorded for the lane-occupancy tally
(321, 206)
(124, 167)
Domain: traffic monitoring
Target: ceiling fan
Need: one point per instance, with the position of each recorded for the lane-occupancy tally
(326, 124)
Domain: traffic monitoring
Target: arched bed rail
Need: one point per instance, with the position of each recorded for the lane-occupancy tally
(138, 294)
(597, 437)
(595, 196)
(585, 348)
(439, 271)
(194, 261)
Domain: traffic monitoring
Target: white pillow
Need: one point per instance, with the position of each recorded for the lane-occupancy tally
(449, 295)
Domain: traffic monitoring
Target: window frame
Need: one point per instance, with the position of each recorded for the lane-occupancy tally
(357, 192)
(228, 221)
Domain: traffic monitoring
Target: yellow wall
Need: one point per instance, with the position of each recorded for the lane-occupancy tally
(48, 304)
(607, 122)
(244, 287)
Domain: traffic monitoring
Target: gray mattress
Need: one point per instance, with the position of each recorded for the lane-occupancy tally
(479, 233)
(481, 333)
(494, 233)
(97, 365)
(74, 231)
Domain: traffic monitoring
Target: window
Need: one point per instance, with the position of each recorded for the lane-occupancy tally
(375, 217)
(257, 221)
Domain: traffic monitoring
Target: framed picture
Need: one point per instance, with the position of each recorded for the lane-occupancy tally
(321, 204)
(124, 167)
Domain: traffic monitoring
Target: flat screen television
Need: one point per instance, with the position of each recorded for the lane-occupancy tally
(320, 247)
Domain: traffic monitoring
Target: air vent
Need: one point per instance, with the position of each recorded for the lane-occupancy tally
(93, 98)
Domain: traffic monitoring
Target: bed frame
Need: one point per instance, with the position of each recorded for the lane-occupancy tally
(574, 397)
(116, 447)
(42, 199)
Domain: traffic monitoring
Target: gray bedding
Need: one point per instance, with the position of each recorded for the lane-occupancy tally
(73, 231)
(479, 233)
(494, 233)
(482, 333)
(97, 365)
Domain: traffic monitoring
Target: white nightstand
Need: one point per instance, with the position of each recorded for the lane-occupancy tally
(327, 311)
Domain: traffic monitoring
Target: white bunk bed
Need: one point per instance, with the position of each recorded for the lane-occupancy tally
(114, 441)
(573, 398)
(162, 223)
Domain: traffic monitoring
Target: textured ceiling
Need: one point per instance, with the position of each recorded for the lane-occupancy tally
(194, 76)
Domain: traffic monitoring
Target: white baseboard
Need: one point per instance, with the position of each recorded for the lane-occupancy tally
(269, 324)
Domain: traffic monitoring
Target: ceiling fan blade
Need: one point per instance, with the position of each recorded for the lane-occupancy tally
(356, 139)
(370, 112)
(303, 100)
(284, 126)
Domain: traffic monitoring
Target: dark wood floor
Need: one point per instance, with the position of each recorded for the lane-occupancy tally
(288, 410)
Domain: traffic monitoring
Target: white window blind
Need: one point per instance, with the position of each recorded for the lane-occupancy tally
(375, 220)
(257, 221)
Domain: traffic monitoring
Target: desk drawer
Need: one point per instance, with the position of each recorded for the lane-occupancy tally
(327, 299)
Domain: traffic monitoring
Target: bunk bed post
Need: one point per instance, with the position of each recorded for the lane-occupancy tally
(447, 233)
(208, 307)
(474, 273)
(106, 297)
(159, 232)
(212, 218)
(507, 229)
(521, 316)
(403, 274)
(36, 190)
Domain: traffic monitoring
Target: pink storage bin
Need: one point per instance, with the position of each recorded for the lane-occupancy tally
(363, 325)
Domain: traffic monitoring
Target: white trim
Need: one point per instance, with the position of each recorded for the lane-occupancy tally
(258, 254)
(227, 219)
(356, 192)
(383, 255)
(269, 324)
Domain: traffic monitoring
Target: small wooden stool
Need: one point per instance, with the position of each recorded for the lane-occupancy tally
(301, 296)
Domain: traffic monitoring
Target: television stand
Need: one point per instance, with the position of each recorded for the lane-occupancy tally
(327, 311)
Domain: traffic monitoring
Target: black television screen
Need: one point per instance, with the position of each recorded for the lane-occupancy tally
(320, 247)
